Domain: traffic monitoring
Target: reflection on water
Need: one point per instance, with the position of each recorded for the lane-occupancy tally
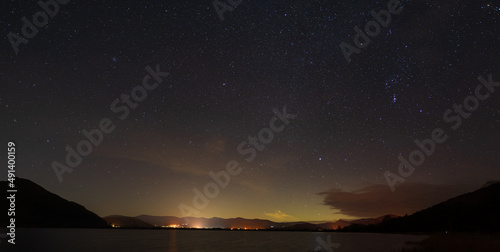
(201, 240)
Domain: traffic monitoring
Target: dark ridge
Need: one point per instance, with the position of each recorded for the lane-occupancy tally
(477, 211)
(37, 207)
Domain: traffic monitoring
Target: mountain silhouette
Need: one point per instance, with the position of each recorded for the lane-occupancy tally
(37, 207)
(242, 223)
(207, 222)
(477, 211)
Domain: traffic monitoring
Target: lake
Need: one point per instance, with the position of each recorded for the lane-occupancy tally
(28, 239)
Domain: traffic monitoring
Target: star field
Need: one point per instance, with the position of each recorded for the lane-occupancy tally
(353, 119)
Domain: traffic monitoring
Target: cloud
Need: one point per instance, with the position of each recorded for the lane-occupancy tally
(278, 215)
(378, 200)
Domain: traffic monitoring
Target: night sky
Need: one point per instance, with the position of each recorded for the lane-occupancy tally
(352, 119)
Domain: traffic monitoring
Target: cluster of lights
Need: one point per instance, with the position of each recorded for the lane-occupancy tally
(245, 228)
(180, 226)
(184, 226)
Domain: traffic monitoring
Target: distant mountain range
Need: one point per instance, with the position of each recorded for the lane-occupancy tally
(37, 207)
(126, 222)
(474, 211)
(147, 221)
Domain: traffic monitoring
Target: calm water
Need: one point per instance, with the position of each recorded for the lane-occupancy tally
(199, 240)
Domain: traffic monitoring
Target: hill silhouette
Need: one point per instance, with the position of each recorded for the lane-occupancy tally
(477, 211)
(37, 207)
(242, 223)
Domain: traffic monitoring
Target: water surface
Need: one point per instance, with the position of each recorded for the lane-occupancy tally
(200, 240)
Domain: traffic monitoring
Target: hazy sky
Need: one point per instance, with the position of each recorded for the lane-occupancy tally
(350, 121)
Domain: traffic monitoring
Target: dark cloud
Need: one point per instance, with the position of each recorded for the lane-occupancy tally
(378, 200)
